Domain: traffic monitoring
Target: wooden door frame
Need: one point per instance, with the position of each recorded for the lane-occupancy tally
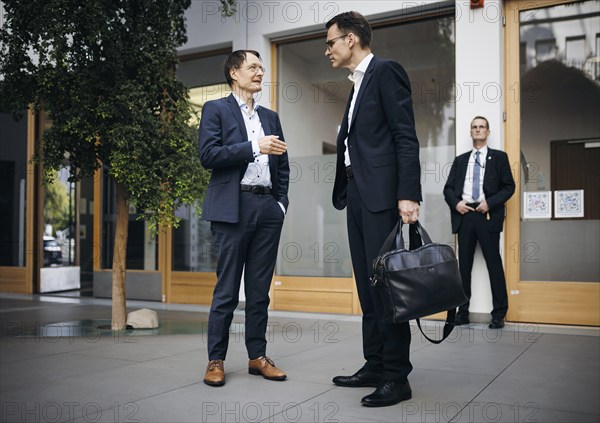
(575, 303)
(20, 279)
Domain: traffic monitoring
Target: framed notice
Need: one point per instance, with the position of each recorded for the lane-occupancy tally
(537, 205)
(568, 203)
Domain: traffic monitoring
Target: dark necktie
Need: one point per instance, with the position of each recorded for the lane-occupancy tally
(476, 176)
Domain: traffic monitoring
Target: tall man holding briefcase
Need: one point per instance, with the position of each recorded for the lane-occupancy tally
(377, 146)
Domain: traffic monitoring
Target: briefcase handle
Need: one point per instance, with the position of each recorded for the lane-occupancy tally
(417, 235)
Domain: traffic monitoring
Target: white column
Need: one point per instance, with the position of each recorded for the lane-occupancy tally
(480, 91)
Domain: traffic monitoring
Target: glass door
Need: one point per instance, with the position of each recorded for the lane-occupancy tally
(60, 269)
(57, 228)
(553, 131)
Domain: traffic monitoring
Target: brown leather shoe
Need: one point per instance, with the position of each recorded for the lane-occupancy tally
(215, 373)
(264, 366)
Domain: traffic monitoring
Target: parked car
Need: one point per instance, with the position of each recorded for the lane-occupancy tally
(52, 251)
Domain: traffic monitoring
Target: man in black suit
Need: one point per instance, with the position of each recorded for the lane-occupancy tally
(246, 202)
(377, 177)
(479, 184)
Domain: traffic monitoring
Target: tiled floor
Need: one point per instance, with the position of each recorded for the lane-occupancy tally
(523, 373)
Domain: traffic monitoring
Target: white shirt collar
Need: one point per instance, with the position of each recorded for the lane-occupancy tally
(361, 68)
(242, 103)
(483, 150)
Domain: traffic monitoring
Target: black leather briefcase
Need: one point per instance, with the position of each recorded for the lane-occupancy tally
(417, 282)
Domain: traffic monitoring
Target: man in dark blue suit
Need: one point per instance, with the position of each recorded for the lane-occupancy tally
(479, 183)
(377, 177)
(246, 202)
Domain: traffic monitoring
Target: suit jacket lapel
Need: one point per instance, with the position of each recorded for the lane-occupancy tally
(363, 86)
(463, 172)
(264, 121)
(266, 125)
(343, 133)
(489, 163)
(237, 114)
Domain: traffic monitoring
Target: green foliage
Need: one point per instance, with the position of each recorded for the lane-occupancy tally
(56, 205)
(228, 7)
(104, 71)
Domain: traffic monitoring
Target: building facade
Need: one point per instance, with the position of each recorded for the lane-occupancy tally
(532, 68)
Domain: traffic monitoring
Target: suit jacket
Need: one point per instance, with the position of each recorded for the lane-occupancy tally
(382, 142)
(498, 187)
(225, 148)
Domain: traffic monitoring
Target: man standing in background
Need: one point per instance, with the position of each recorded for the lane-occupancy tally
(479, 184)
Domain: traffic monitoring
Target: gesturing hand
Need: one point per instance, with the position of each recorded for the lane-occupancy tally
(272, 145)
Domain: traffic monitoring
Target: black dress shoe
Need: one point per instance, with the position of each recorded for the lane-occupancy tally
(359, 379)
(388, 393)
(496, 324)
(461, 319)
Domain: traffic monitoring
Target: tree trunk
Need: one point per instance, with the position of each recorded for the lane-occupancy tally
(119, 317)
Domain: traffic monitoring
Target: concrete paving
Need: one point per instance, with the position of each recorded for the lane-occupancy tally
(56, 366)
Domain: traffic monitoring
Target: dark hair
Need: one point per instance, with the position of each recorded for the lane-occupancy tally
(487, 124)
(235, 61)
(353, 22)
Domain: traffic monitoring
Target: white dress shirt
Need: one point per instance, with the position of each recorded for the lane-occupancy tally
(472, 167)
(357, 78)
(258, 172)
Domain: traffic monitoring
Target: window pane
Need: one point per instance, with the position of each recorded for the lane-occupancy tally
(575, 51)
(200, 95)
(60, 221)
(13, 174)
(560, 146)
(142, 249)
(314, 240)
(193, 249)
(311, 102)
(202, 71)
(432, 77)
(545, 50)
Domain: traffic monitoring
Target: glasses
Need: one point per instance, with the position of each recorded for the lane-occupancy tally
(256, 68)
(331, 42)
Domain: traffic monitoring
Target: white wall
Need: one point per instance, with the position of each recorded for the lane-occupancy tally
(480, 86)
(479, 67)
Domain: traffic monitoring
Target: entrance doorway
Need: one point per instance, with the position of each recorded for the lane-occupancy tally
(63, 216)
(553, 103)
